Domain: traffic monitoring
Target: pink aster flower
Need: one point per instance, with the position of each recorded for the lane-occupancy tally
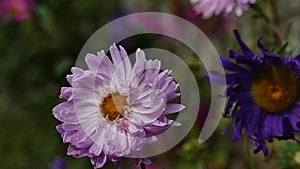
(16, 10)
(208, 8)
(114, 107)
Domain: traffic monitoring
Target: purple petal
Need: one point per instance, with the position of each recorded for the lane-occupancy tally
(244, 47)
(173, 108)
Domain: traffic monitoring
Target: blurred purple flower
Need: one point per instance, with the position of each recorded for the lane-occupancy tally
(152, 167)
(208, 8)
(202, 114)
(218, 26)
(15, 10)
(58, 163)
(114, 108)
(215, 27)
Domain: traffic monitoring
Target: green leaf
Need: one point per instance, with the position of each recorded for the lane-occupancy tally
(282, 49)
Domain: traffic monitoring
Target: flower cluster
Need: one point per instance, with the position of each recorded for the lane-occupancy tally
(114, 108)
(263, 94)
(15, 10)
(208, 8)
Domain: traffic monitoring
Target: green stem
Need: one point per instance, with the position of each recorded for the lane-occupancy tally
(272, 21)
(258, 9)
(276, 23)
(274, 9)
(143, 166)
(250, 160)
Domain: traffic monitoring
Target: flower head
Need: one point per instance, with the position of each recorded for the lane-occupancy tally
(263, 94)
(208, 8)
(114, 108)
(16, 10)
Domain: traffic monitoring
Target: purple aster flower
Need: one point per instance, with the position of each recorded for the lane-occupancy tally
(114, 108)
(263, 94)
(58, 163)
(208, 8)
(16, 10)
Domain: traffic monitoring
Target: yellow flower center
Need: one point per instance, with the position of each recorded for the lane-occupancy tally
(112, 105)
(275, 89)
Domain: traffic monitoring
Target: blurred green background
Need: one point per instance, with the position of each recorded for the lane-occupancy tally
(37, 54)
